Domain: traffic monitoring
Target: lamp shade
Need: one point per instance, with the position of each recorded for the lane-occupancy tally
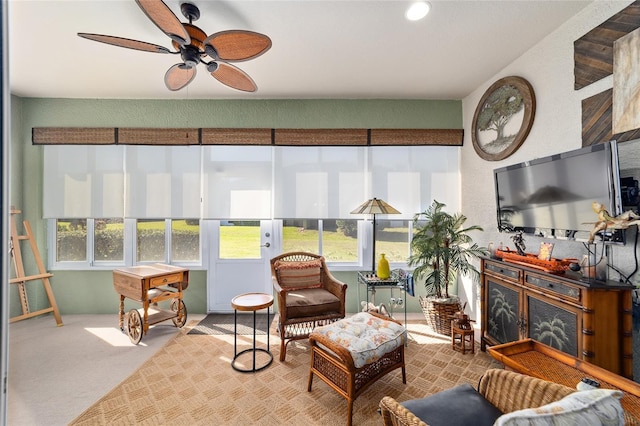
(375, 206)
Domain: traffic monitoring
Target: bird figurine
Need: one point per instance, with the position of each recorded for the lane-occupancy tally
(606, 221)
(518, 241)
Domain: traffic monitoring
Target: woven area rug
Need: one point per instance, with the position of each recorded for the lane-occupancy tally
(224, 324)
(190, 382)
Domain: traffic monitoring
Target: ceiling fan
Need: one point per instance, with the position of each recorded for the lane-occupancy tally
(215, 51)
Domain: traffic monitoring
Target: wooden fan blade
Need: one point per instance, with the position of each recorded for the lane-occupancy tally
(160, 14)
(125, 42)
(238, 45)
(178, 76)
(234, 77)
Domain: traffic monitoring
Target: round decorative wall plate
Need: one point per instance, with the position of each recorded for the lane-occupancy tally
(503, 118)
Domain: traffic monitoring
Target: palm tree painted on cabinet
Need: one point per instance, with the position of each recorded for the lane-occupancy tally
(551, 331)
(501, 310)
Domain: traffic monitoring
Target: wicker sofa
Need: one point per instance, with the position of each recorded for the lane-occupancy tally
(507, 392)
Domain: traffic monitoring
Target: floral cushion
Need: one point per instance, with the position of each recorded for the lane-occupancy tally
(299, 275)
(366, 337)
(591, 407)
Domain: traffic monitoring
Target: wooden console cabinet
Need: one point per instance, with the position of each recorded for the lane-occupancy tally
(586, 319)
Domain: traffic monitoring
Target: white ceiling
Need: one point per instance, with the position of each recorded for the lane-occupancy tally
(321, 49)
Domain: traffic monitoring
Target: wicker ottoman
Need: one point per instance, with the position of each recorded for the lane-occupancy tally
(351, 354)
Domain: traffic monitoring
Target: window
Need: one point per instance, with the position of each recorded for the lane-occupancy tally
(340, 240)
(102, 243)
(71, 240)
(150, 240)
(185, 240)
(300, 235)
(392, 239)
(239, 240)
(335, 239)
(108, 241)
(123, 205)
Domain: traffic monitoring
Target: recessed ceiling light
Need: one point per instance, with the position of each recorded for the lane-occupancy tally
(418, 10)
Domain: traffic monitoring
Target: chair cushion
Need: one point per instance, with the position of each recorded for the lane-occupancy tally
(366, 337)
(311, 302)
(298, 275)
(461, 405)
(591, 407)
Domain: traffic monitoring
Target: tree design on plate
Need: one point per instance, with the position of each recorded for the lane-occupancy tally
(503, 118)
(496, 113)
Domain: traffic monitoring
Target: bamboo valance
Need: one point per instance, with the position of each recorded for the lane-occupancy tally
(233, 136)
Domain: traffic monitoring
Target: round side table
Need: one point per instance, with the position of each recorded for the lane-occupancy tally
(250, 302)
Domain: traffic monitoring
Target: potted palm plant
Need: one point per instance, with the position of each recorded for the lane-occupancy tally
(441, 250)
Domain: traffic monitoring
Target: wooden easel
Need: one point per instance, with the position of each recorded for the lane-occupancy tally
(21, 279)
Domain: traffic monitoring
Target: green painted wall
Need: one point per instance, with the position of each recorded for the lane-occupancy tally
(79, 292)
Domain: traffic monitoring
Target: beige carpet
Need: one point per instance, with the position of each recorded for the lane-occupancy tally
(190, 382)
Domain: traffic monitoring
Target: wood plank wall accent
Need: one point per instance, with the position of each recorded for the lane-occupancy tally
(231, 136)
(596, 120)
(593, 52)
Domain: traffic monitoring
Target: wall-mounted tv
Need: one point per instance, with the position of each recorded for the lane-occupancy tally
(551, 197)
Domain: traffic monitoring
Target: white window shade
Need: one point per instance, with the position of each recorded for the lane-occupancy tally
(162, 182)
(244, 182)
(410, 178)
(83, 181)
(318, 182)
(237, 182)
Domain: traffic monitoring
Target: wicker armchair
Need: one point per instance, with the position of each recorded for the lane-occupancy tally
(307, 295)
(506, 390)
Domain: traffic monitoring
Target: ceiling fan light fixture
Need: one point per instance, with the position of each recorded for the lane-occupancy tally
(418, 10)
(192, 44)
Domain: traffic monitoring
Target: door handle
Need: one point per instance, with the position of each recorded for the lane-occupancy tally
(266, 245)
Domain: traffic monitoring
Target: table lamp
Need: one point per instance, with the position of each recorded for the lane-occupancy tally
(374, 206)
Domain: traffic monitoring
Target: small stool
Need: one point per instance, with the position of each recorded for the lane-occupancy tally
(351, 354)
(250, 302)
(462, 338)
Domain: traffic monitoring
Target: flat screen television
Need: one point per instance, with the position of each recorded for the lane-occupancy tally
(551, 197)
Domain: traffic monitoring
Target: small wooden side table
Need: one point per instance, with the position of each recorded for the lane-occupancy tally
(250, 302)
(462, 339)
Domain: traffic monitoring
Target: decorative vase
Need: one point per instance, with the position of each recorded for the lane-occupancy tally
(383, 268)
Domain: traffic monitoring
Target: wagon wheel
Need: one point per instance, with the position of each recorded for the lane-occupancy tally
(177, 305)
(134, 326)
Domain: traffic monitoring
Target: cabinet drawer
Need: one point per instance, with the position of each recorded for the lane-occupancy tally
(552, 286)
(166, 279)
(502, 271)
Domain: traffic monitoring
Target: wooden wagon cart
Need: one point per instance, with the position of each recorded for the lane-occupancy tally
(150, 285)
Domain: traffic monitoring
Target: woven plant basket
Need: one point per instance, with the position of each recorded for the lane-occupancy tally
(439, 314)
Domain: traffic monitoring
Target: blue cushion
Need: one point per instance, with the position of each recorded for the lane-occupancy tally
(458, 406)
